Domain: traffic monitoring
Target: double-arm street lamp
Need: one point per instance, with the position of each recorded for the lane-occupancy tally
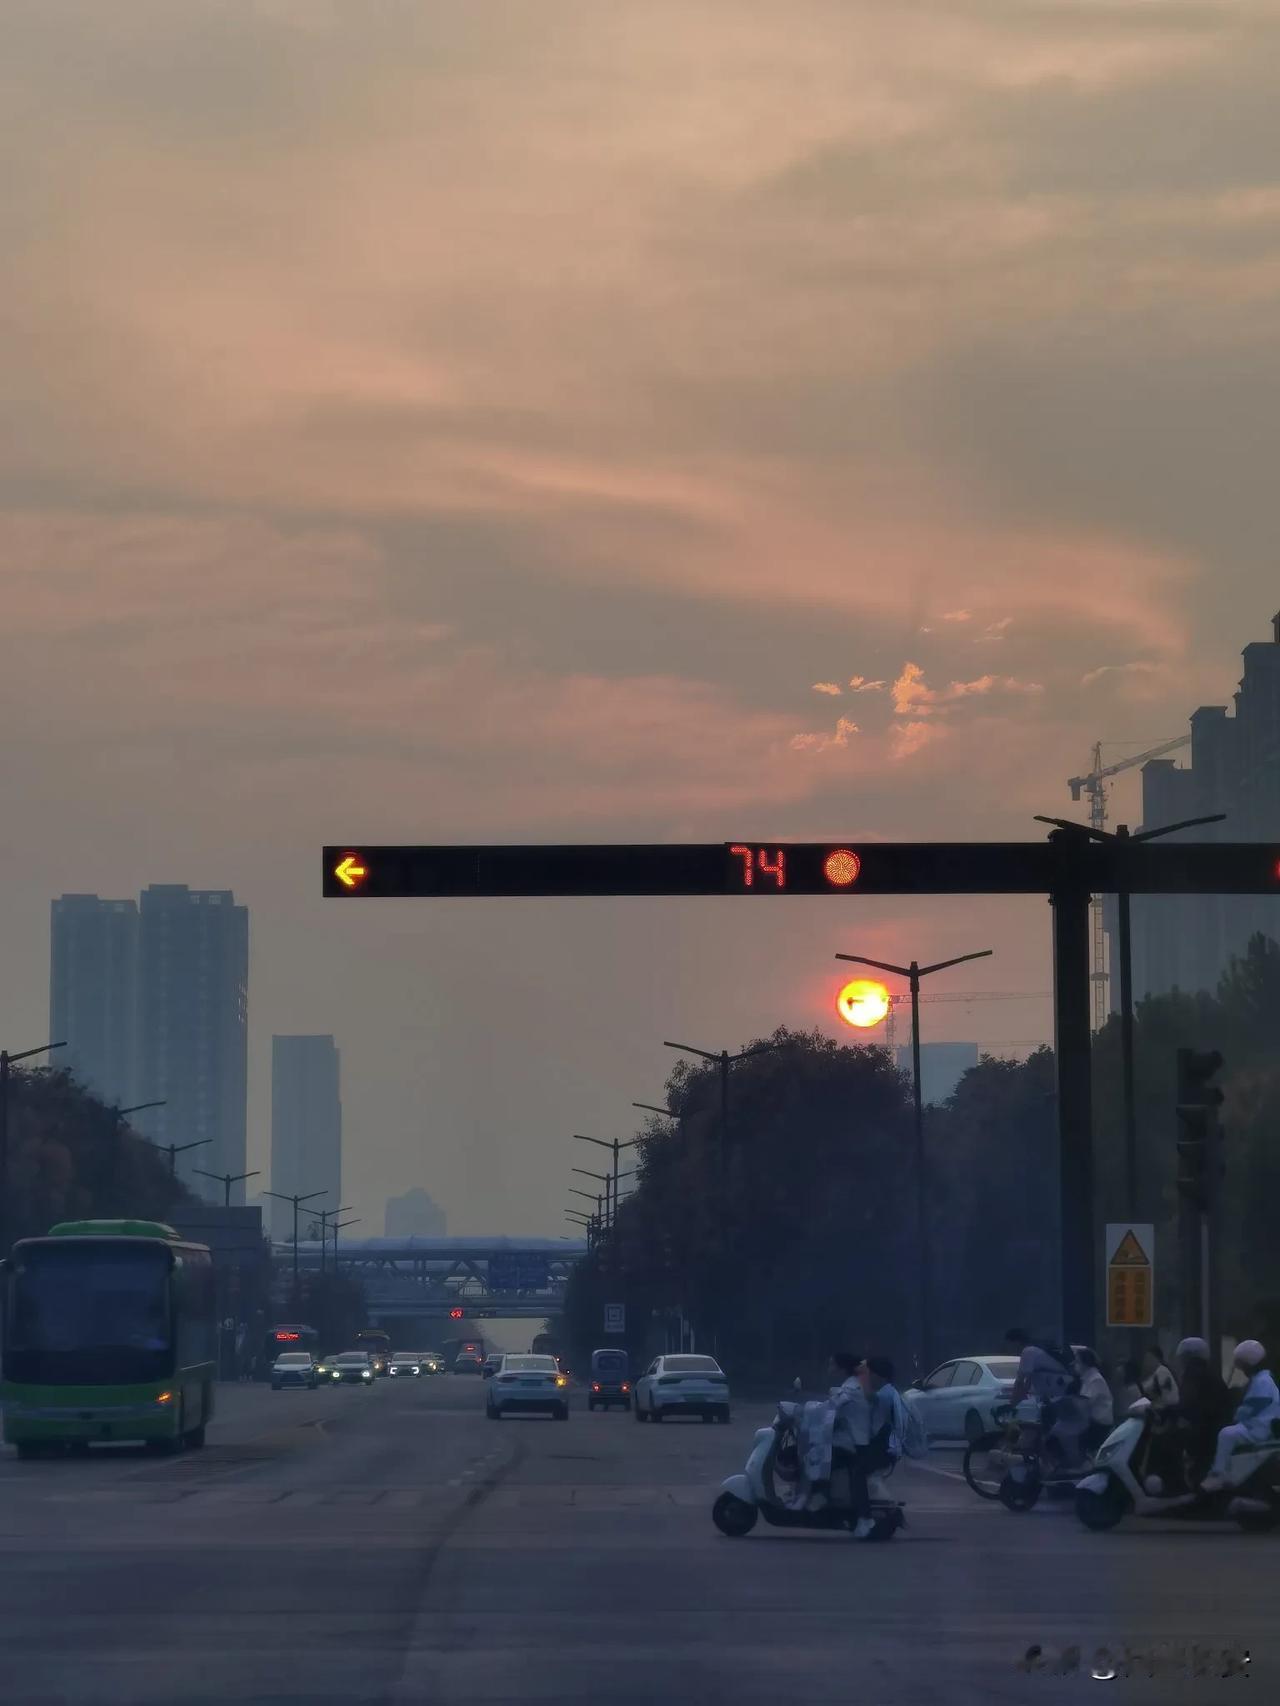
(324, 1216)
(335, 1229)
(173, 1150)
(615, 1148)
(295, 1198)
(723, 1060)
(226, 1180)
(914, 973)
(6, 1061)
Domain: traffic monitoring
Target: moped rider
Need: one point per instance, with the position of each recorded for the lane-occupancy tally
(1258, 1408)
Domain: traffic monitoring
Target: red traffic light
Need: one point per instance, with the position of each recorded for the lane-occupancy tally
(456, 1314)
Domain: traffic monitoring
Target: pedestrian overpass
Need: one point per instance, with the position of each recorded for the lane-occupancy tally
(424, 1278)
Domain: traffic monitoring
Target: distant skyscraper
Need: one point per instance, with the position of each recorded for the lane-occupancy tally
(306, 1127)
(1186, 941)
(193, 982)
(414, 1215)
(93, 992)
(942, 1066)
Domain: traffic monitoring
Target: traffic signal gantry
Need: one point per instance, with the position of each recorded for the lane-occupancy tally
(1066, 867)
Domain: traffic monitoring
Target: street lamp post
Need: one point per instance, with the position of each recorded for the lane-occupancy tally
(615, 1149)
(6, 1061)
(336, 1228)
(295, 1198)
(324, 1216)
(1123, 839)
(226, 1180)
(118, 1117)
(914, 973)
(173, 1150)
(724, 1060)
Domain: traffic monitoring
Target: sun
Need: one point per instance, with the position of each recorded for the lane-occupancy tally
(863, 1004)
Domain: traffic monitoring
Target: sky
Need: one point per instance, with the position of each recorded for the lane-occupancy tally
(566, 421)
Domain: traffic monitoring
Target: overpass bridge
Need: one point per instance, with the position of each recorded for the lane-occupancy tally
(424, 1278)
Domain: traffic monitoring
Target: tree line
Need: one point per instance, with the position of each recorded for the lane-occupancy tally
(793, 1230)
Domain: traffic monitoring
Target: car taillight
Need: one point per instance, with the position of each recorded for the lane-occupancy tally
(595, 1385)
(626, 1386)
(506, 1380)
(669, 1380)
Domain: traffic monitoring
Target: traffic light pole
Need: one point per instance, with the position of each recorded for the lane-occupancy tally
(1072, 1062)
(1200, 1169)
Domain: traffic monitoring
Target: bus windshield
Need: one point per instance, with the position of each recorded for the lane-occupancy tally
(89, 1313)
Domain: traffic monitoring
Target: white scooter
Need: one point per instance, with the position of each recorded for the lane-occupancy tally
(1120, 1485)
(769, 1482)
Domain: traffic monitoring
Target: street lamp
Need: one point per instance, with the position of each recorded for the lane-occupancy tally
(1122, 838)
(653, 1108)
(724, 1060)
(616, 1149)
(324, 1215)
(335, 1229)
(173, 1150)
(6, 1061)
(296, 1198)
(226, 1180)
(914, 972)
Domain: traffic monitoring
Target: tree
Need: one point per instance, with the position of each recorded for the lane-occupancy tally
(69, 1159)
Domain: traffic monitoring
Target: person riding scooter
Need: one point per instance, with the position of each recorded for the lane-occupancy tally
(1204, 1408)
(1046, 1375)
(1258, 1409)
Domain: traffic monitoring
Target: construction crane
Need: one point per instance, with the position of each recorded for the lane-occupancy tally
(1094, 786)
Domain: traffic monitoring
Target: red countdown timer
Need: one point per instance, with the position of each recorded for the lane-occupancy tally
(766, 867)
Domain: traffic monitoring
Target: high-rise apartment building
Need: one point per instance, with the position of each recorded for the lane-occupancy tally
(193, 982)
(93, 992)
(306, 1127)
(1187, 941)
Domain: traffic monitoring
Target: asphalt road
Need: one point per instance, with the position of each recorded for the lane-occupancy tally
(392, 1546)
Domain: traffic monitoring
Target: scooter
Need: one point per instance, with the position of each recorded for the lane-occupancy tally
(1119, 1484)
(773, 1471)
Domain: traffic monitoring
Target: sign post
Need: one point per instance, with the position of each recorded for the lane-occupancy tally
(1130, 1274)
(615, 1317)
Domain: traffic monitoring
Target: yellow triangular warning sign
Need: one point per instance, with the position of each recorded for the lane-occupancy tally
(1130, 1254)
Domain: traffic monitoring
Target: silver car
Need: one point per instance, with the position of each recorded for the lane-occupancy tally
(956, 1401)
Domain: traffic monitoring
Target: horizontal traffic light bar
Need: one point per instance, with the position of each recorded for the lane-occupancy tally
(803, 867)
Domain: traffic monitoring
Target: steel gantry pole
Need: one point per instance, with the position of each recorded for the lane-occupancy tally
(914, 973)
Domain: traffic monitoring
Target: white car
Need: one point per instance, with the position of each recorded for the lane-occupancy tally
(956, 1401)
(405, 1362)
(682, 1385)
(527, 1383)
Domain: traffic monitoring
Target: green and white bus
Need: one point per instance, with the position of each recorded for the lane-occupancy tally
(110, 1333)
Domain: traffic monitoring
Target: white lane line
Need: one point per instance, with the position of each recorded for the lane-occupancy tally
(950, 1474)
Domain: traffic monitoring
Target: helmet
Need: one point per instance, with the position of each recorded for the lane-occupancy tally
(1193, 1348)
(1249, 1353)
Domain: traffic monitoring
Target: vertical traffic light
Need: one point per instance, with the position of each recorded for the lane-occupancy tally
(1199, 1099)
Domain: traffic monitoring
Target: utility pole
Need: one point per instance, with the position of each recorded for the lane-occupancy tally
(914, 973)
(6, 1061)
(226, 1180)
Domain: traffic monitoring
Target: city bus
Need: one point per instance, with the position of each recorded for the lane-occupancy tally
(110, 1333)
(378, 1345)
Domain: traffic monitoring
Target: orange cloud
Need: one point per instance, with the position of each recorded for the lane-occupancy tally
(823, 743)
(831, 687)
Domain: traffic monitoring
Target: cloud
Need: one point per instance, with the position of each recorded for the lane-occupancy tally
(913, 696)
(957, 616)
(831, 687)
(860, 684)
(1137, 667)
(908, 738)
(839, 736)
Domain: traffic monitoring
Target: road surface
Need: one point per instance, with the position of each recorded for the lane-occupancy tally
(390, 1546)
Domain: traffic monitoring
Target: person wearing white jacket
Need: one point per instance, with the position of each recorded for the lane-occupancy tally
(1259, 1406)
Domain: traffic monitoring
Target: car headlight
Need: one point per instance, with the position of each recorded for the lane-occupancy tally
(366, 1375)
(337, 1375)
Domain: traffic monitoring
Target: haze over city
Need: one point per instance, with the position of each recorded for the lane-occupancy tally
(568, 422)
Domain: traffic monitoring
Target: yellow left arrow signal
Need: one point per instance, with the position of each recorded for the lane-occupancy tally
(350, 872)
